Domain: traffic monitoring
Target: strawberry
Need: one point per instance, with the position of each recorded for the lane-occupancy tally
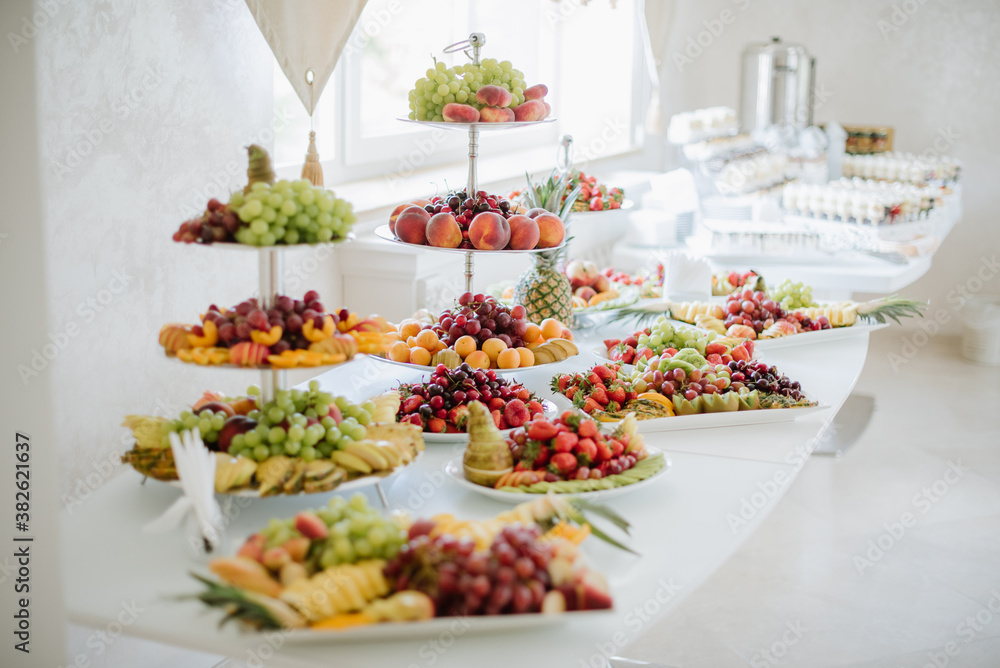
(571, 392)
(647, 353)
(562, 463)
(458, 416)
(590, 406)
(567, 417)
(565, 442)
(523, 394)
(587, 429)
(436, 425)
(611, 343)
(604, 452)
(594, 379)
(534, 408)
(617, 447)
(452, 429)
(497, 404)
(617, 394)
(412, 404)
(629, 356)
(603, 372)
(631, 341)
(715, 348)
(542, 430)
(563, 382)
(497, 418)
(586, 451)
(670, 351)
(714, 359)
(414, 419)
(600, 395)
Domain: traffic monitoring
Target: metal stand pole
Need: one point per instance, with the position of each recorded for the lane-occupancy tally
(470, 269)
(271, 275)
(473, 185)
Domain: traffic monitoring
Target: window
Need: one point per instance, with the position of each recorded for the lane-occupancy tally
(589, 56)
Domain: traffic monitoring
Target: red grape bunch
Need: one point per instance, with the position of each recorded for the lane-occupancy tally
(482, 317)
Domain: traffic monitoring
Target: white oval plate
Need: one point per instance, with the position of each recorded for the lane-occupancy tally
(505, 373)
(350, 485)
(233, 245)
(383, 232)
(434, 628)
(505, 125)
(549, 410)
(454, 469)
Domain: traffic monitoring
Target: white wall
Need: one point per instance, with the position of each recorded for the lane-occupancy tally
(141, 105)
(929, 68)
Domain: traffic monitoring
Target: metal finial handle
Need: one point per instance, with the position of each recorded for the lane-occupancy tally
(564, 158)
(476, 41)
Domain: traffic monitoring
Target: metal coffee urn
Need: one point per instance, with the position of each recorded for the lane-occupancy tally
(777, 86)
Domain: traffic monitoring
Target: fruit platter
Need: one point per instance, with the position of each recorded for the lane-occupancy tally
(565, 455)
(685, 389)
(346, 570)
(304, 441)
(269, 212)
(292, 333)
(483, 334)
(440, 405)
(767, 315)
(594, 197)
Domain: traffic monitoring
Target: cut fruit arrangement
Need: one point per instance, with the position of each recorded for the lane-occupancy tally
(724, 284)
(594, 290)
(485, 334)
(293, 333)
(303, 441)
(664, 335)
(680, 382)
(594, 197)
(441, 405)
(346, 566)
(568, 455)
(488, 92)
(762, 314)
(484, 222)
(269, 212)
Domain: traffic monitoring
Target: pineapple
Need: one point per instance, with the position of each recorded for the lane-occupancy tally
(544, 290)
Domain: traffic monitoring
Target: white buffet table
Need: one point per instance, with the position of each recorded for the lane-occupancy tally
(722, 483)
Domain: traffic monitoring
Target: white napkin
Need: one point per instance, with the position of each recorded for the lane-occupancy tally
(196, 469)
(686, 277)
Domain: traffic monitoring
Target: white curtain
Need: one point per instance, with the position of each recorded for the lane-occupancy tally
(307, 34)
(658, 15)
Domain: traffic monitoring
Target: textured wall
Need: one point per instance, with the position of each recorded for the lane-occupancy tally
(929, 68)
(141, 105)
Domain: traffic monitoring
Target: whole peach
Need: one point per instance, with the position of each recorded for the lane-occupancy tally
(532, 110)
(551, 230)
(536, 92)
(523, 232)
(489, 231)
(443, 231)
(494, 96)
(496, 115)
(454, 112)
(411, 225)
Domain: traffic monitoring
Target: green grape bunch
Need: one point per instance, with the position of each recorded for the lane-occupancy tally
(664, 334)
(442, 85)
(298, 423)
(792, 296)
(290, 212)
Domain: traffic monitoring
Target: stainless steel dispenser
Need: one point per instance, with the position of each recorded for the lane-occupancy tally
(777, 86)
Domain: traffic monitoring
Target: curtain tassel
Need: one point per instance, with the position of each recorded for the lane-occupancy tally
(312, 169)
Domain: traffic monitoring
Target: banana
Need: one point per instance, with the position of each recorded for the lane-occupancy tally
(368, 451)
(387, 450)
(352, 463)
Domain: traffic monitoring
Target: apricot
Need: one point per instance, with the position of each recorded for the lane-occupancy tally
(478, 360)
(536, 92)
(465, 345)
(489, 231)
(409, 327)
(399, 352)
(443, 231)
(493, 348)
(454, 112)
(509, 359)
(550, 230)
(427, 339)
(493, 96)
(420, 356)
(523, 232)
(551, 328)
(411, 341)
(532, 110)
(532, 333)
(411, 225)
(527, 357)
(496, 115)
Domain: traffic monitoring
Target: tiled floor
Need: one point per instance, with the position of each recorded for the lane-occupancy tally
(832, 577)
(829, 579)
